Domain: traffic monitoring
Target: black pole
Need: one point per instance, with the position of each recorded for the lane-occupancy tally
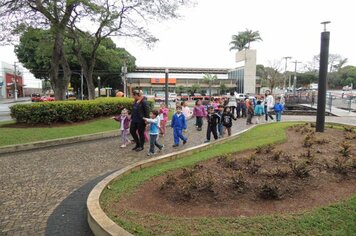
(166, 87)
(323, 71)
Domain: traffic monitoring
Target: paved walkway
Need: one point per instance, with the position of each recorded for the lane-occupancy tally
(44, 192)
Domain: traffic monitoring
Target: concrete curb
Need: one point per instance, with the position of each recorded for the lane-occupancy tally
(99, 222)
(57, 142)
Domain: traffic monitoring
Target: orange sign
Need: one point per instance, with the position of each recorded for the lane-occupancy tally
(163, 81)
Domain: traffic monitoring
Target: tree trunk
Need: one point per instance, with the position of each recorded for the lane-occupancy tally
(59, 61)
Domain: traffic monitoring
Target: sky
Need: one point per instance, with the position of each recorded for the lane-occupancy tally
(201, 37)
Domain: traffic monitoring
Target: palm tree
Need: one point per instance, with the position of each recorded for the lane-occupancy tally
(243, 39)
(210, 79)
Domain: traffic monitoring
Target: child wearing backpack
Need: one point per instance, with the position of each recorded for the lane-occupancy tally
(199, 112)
(227, 118)
(278, 109)
(259, 111)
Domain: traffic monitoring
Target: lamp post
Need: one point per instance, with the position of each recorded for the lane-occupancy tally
(124, 72)
(166, 86)
(323, 72)
(285, 72)
(15, 82)
(81, 84)
(99, 87)
(295, 77)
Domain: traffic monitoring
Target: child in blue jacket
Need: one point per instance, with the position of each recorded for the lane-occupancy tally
(154, 131)
(178, 124)
(259, 111)
(278, 108)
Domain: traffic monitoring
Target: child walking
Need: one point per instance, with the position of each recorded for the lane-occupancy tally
(278, 109)
(154, 130)
(213, 121)
(124, 120)
(178, 124)
(163, 112)
(259, 111)
(250, 112)
(199, 112)
(227, 118)
(220, 113)
(186, 110)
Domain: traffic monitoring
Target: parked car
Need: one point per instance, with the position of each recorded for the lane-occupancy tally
(35, 97)
(184, 96)
(197, 96)
(172, 97)
(47, 99)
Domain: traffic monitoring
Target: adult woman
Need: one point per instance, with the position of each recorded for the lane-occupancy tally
(140, 110)
(269, 103)
(232, 103)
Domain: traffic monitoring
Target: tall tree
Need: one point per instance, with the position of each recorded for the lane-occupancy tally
(208, 78)
(55, 15)
(243, 39)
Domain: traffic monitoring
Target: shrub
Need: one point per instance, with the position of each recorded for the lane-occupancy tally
(69, 111)
(301, 169)
(228, 162)
(270, 191)
(239, 182)
(345, 149)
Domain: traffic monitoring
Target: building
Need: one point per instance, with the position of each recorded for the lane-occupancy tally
(241, 79)
(152, 79)
(8, 76)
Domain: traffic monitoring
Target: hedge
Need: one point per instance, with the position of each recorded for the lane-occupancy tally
(69, 111)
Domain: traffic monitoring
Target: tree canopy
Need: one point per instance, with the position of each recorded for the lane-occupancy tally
(243, 39)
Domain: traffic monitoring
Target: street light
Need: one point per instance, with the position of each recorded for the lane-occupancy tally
(166, 86)
(99, 87)
(295, 77)
(285, 73)
(14, 81)
(124, 72)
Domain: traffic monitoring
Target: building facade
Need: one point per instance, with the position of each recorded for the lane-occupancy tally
(152, 79)
(241, 79)
(10, 81)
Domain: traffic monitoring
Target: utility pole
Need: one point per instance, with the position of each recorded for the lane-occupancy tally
(285, 72)
(166, 71)
(124, 72)
(323, 73)
(14, 81)
(81, 84)
(295, 76)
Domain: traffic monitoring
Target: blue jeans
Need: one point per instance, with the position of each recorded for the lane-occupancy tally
(178, 134)
(153, 143)
(221, 130)
(278, 115)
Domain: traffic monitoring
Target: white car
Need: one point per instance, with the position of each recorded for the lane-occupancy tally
(172, 97)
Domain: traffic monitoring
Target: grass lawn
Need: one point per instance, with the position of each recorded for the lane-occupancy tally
(339, 219)
(11, 136)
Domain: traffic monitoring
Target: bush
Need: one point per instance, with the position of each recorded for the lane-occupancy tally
(69, 111)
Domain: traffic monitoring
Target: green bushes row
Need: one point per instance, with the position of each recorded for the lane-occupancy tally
(69, 111)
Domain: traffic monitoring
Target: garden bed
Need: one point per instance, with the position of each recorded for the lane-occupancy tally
(308, 171)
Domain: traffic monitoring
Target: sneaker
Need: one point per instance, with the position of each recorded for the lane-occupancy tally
(123, 146)
(175, 145)
(150, 154)
(160, 149)
(184, 142)
(139, 149)
(207, 141)
(135, 148)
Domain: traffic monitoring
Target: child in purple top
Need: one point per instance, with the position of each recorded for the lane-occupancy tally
(124, 120)
(199, 112)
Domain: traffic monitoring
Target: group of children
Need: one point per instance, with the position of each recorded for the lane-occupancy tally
(217, 114)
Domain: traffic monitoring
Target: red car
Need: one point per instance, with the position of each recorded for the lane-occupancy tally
(35, 97)
(46, 99)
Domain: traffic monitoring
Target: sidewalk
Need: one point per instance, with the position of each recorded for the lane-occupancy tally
(335, 111)
(11, 100)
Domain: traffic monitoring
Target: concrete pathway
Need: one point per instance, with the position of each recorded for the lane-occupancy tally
(44, 192)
